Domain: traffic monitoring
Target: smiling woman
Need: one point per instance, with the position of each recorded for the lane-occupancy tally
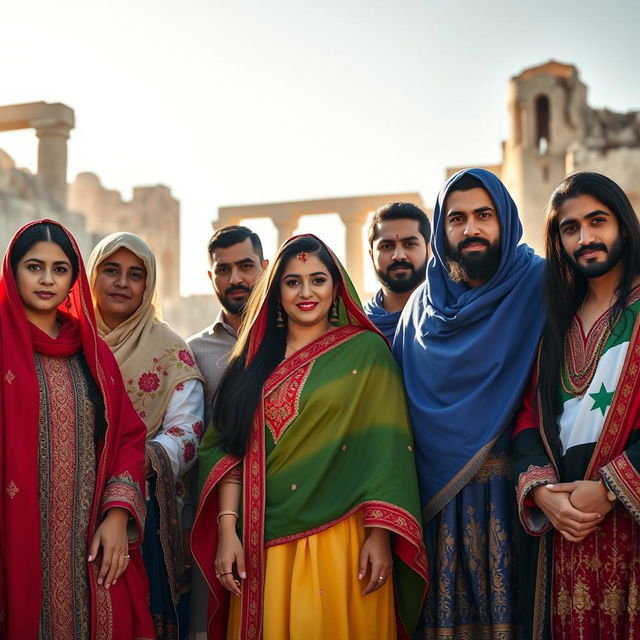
(309, 468)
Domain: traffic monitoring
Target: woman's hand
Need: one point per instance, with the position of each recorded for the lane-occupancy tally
(229, 552)
(376, 551)
(572, 523)
(111, 535)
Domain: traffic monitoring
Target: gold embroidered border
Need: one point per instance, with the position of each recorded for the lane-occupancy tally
(120, 491)
(281, 405)
(474, 632)
(456, 484)
(623, 479)
(170, 533)
(533, 477)
(539, 612)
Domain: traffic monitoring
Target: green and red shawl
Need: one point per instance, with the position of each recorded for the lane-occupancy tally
(330, 438)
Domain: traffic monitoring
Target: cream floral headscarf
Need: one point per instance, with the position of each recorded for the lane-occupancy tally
(153, 359)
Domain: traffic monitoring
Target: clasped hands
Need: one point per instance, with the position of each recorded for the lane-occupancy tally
(575, 509)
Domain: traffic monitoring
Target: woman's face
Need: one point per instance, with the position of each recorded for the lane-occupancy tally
(119, 286)
(43, 278)
(306, 290)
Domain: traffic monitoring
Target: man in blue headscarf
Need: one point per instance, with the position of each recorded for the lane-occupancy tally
(466, 342)
(399, 236)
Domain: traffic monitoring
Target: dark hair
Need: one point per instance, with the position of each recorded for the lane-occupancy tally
(565, 286)
(400, 211)
(238, 395)
(466, 182)
(49, 232)
(44, 232)
(226, 237)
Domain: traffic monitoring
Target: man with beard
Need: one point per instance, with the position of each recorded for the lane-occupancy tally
(576, 451)
(399, 248)
(466, 343)
(235, 256)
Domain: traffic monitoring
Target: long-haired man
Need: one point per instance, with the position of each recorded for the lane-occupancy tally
(577, 455)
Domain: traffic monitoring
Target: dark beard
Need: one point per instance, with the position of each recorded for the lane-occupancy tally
(477, 265)
(231, 306)
(597, 269)
(402, 285)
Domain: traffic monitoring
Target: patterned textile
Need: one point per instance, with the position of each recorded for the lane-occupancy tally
(67, 482)
(326, 444)
(472, 560)
(589, 589)
(152, 357)
(162, 551)
(65, 474)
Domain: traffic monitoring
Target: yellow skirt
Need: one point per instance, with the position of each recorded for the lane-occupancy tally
(312, 591)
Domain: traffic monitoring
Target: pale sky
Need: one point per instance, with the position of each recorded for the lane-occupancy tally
(237, 102)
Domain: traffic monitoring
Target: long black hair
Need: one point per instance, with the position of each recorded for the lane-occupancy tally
(565, 286)
(49, 232)
(240, 390)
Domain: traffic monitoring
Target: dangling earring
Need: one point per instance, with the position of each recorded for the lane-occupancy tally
(67, 303)
(279, 318)
(335, 316)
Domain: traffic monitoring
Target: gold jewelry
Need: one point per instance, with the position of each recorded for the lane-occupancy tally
(126, 556)
(228, 512)
(381, 579)
(335, 315)
(279, 317)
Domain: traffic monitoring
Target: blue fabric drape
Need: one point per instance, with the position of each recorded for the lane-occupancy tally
(466, 353)
(384, 320)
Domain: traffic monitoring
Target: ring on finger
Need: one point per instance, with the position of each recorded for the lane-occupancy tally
(381, 579)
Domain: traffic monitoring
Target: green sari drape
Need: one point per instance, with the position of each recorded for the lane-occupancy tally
(331, 438)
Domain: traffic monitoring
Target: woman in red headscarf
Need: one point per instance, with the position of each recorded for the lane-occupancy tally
(71, 456)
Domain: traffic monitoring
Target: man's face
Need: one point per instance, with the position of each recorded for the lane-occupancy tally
(399, 254)
(590, 234)
(234, 271)
(472, 235)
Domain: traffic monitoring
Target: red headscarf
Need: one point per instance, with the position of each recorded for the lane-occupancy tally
(120, 452)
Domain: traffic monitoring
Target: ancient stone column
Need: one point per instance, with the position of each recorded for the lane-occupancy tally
(285, 227)
(52, 159)
(353, 223)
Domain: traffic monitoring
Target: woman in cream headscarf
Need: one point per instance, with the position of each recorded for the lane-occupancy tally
(164, 385)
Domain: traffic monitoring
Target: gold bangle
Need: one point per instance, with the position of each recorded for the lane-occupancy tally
(228, 512)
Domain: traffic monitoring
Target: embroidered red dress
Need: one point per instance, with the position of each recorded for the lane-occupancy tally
(590, 589)
(57, 482)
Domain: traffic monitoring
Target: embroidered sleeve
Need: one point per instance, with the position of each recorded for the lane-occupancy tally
(182, 426)
(233, 476)
(123, 491)
(533, 519)
(623, 479)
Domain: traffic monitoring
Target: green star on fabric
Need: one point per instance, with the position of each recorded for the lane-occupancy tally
(602, 399)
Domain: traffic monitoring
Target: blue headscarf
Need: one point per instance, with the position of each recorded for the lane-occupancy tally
(466, 354)
(386, 321)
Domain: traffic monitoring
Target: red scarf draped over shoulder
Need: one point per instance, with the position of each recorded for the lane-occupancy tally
(120, 454)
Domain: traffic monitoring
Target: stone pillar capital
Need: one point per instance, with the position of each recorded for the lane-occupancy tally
(46, 129)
